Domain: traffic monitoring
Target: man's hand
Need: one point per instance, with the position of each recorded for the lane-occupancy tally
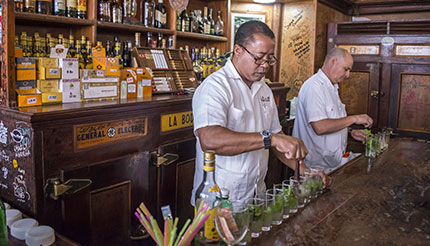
(358, 135)
(363, 119)
(327, 181)
(292, 148)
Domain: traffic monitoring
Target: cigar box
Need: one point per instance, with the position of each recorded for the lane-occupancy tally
(69, 68)
(112, 67)
(25, 84)
(106, 89)
(48, 85)
(51, 97)
(28, 98)
(47, 68)
(71, 90)
(25, 68)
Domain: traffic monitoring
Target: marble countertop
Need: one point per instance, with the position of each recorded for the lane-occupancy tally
(385, 201)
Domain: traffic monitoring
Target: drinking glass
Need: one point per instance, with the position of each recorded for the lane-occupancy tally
(301, 191)
(278, 206)
(290, 199)
(313, 182)
(278, 189)
(370, 147)
(255, 207)
(268, 204)
(232, 224)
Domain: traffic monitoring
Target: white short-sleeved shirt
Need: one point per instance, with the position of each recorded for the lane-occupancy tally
(319, 99)
(224, 99)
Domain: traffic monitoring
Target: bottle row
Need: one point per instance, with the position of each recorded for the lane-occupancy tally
(205, 61)
(38, 46)
(69, 8)
(198, 24)
(151, 14)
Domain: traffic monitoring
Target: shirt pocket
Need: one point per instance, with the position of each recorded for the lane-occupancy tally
(332, 112)
(236, 119)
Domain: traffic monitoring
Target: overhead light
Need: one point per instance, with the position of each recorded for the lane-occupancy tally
(264, 1)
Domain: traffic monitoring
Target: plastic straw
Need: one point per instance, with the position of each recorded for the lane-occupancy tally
(146, 225)
(196, 229)
(157, 231)
(166, 232)
(191, 228)
(182, 231)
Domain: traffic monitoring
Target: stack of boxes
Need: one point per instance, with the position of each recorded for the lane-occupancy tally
(60, 80)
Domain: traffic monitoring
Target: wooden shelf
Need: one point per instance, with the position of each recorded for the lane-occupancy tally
(132, 28)
(200, 36)
(51, 19)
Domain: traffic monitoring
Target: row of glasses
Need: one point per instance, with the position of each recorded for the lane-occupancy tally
(377, 143)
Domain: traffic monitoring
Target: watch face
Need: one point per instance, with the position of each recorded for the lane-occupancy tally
(266, 133)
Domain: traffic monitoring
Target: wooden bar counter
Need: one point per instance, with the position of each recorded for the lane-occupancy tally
(381, 202)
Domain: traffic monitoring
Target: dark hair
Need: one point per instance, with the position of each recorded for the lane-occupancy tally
(246, 31)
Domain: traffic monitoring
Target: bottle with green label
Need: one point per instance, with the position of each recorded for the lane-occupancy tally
(3, 228)
(207, 192)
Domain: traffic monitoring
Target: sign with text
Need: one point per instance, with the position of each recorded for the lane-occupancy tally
(175, 121)
(95, 134)
(361, 49)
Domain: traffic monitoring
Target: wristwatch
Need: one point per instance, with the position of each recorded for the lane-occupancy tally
(267, 136)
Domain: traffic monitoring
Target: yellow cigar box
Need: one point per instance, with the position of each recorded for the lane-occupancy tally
(99, 51)
(28, 98)
(128, 80)
(25, 68)
(25, 84)
(99, 63)
(51, 97)
(48, 85)
(47, 68)
(112, 67)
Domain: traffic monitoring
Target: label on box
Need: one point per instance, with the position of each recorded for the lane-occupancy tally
(59, 51)
(139, 70)
(31, 100)
(52, 97)
(146, 82)
(53, 71)
(70, 68)
(130, 80)
(100, 92)
(100, 73)
(25, 84)
(131, 88)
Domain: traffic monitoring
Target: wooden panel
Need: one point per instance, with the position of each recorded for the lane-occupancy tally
(352, 90)
(184, 186)
(297, 45)
(108, 205)
(414, 111)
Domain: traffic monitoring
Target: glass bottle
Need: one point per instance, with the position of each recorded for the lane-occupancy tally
(71, 8)
(30, 6)
(81, 9)
(19, 5)
(78, 55)
(149, 39)
(199, 21)
(117, 53)
(147, 17)
(89, 56)
(198, 70)
(108, 49)
(160, 15)
(159, 40)
(207, 192)
(130, 8)
(30, 46)
(206, 23)
(211, 23)
(24, 46)
(4, 236)
(185, 21)
(72, 49)
(60, 7)
(101, 8)
(178, 21)
(191, 21)
(17, 45)
(116, 12)
(126, 55)
(218, 63)
(44, 7)
(219, 25)
(60, 38)
(137, 36)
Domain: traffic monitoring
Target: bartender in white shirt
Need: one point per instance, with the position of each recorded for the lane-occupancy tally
(235, 115)
(321, 119)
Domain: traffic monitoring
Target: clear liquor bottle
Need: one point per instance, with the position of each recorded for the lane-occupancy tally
(44, 7)
(206, 23)
(211, 23)
(207, 192)
(219, 25)
(89, 56)
(30, 6)
(117, 12)
(60, 7)
(185, 21)
(71, 8)
(19, 5)
(147, 16)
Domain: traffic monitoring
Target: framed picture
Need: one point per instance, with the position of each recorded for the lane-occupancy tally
(238, 19)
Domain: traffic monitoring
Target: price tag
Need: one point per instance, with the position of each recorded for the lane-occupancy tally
(139, 71)
(146, 82)
(131, 88)
(52, 97)
(53, 71)
(100, 73)
(130, 80)
(31, 100)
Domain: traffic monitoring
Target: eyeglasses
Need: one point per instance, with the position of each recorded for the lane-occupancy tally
(260, 61)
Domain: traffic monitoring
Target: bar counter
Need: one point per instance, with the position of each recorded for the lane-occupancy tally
(385, 201)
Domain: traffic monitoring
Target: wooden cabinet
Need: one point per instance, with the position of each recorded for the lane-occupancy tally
(390, 77)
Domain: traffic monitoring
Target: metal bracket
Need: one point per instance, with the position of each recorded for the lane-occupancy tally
(55, 189)
(165, 160)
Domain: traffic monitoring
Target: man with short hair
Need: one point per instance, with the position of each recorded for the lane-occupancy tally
(235, 115)
(321, 119)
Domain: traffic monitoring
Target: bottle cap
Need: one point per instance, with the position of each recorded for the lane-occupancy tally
(225, 193)
(40, 235)
(209, 155)
(20, 227)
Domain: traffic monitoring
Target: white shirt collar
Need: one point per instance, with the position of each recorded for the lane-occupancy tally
(326, 80)
(232, 73)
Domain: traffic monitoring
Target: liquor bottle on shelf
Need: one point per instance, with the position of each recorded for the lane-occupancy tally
(17, 44)
(30, 6)
(60, 38)
(24, 46)
(89, 56)
(178, 21)
(148, 39)
(218, 63)
(170, 43)
(117, 53)
(78, 55)
(198, 70)
(137, 36)
(44, 7)
(206, 23)
(102, 8)
(219, 25)
(211, 22)
(159, 40)
(81, 9)
(71, 8)
(160, 15)
(185, 21)
(130, 8)
(19, 5)
(211, 61)
(59, 7)
(203, 61)
(116, 12)
(199, 21)
(30, 46)
(126, 54)
(72, 50)
(207, 192)
(147, 16)
(109, 49)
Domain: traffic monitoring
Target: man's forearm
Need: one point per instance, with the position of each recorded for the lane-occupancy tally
(327, 126)
(226, 142)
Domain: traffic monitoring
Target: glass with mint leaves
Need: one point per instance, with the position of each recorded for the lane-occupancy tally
(290, 199)
(255, 207)
(278, 206)
(268, 204)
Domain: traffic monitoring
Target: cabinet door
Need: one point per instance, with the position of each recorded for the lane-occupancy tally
(360, 92)
(103, 213)
(175, 181)
(409, 111)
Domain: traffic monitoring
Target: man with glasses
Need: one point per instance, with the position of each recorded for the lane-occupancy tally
(235, 115)
(321, 119)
